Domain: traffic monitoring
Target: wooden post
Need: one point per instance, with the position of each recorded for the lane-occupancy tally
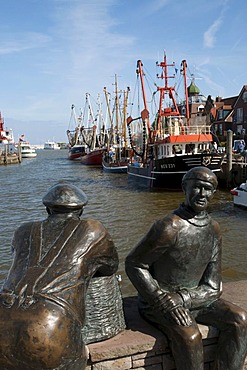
(229, 158)
(6, 155)
(19, 153)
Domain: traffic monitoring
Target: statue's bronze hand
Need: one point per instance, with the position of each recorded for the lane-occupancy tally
(181, 316)
(168, 301)
(171, 305)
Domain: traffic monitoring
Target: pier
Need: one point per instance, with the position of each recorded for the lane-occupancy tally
(8, 156)
(142, 347)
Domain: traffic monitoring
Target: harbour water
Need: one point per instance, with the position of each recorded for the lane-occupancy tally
(127, 213)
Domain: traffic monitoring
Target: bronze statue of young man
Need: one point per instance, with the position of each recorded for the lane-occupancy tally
(42, 302)
(176, 269)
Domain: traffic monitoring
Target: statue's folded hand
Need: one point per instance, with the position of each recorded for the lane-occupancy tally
(181, 316)
(171, 305)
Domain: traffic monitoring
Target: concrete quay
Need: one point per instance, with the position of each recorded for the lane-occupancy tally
(142, 347)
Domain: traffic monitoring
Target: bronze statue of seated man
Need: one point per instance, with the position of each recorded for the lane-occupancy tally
(176, 269)
(42, 301)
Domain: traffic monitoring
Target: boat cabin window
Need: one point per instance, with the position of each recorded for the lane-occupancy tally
(161, 150)
(189, 148)
(177, 149)
(203, 147)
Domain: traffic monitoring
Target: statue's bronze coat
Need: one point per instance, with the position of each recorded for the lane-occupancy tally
(42, 302)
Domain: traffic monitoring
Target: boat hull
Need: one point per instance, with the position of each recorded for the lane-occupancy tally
(167, 173)
(94, 158)
(240, 195)
(76, 152)
(115, 167)
(240, 200)
(26, 150)
(28, 155)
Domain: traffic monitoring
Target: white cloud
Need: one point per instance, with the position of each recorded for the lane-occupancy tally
(16, 43)
(158, 5)
(210, 34)
(89, 37)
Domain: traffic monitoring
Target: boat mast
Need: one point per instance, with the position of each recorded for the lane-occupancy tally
(108, 108)
(90, 114)
(145, 114)
(90, 122)
(116, 106)
(77, 128)
(1, 123)
(126, 94)
(166, 90)
(183, 71)
(100, 123)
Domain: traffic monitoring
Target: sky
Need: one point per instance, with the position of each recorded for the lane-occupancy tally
(54, 52)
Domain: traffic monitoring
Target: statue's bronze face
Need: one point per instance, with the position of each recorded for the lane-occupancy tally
(198, 194)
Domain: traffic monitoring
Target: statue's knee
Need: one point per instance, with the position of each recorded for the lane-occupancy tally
(193, 337)
(190, 337)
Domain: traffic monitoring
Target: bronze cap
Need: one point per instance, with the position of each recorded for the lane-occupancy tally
(65, 195)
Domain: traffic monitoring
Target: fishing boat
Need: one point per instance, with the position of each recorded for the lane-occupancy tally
(51, 145)
(93, 134)
(117, 154)
(93, 157)
(9, 153)
(77, 148)
(175, 142)
(240, 195)
(27, 151)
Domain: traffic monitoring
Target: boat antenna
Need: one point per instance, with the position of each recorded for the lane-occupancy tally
(166, 90)
(183, 72)
(140, 73)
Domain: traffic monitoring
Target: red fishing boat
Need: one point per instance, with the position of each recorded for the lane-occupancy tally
(87, 139)
(93, 157)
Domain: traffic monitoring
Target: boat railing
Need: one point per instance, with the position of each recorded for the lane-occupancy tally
(181, 130)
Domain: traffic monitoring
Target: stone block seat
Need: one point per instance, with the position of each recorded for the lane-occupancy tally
(140, 346)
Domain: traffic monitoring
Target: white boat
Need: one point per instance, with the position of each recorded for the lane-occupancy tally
(27, 151)
(51, 145)
(240, 195)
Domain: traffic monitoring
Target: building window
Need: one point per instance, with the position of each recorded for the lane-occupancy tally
(220, 114)
(239, 129)
(220, 129)
(240, 115)
(244, 97)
